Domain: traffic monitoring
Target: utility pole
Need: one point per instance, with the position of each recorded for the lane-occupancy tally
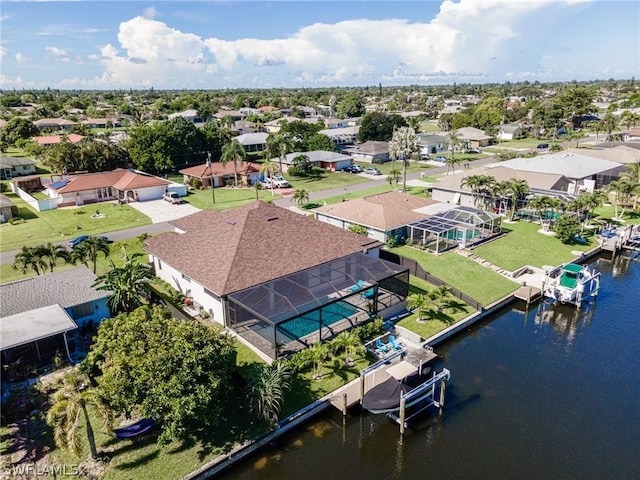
(213, 193)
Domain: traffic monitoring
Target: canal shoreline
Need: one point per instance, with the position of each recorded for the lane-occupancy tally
(240, 452)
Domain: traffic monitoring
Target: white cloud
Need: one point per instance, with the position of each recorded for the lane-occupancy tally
(468, 40)
(20, 58)
(4, 52)
(56, 52)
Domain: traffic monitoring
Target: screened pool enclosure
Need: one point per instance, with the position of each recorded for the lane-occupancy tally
(462, 226)
(287, 314)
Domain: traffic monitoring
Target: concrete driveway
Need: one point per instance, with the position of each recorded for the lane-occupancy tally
(162, 211)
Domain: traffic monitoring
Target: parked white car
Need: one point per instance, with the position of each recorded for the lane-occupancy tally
(279, 182)
(172, 197)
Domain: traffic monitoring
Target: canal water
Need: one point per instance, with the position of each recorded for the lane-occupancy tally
(544, 393)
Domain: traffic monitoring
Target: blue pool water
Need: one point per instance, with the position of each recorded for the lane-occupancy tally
(308, 323)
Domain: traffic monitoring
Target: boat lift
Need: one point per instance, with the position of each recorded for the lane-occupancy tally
(426, 393)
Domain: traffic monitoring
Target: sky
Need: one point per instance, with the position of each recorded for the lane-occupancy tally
(315, 43)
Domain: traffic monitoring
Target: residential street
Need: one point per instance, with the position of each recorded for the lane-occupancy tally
(119, 235)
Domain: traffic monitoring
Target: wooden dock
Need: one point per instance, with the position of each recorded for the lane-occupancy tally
(528, 293)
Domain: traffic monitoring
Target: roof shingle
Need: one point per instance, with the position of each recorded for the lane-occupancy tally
(235, 249)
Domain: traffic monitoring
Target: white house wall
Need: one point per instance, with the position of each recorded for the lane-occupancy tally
(446, 196)
(150, 193)
(190, 288)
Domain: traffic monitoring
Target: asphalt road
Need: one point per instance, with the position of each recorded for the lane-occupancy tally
(119, 235)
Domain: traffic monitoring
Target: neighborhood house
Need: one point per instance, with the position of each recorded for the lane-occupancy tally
(280, 280)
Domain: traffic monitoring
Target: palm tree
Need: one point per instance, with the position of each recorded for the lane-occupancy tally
(53, 252)
(318, 353)
(232, 152)
(88, 251)
(500, 192)
(300, 197)
(278, 145)
(624, 189)
(69, 407)
(126, 283)
(518, 190)
(30, 258)
(269, 168)
(419, 301)
(591, 201)
(350, 342)
(632, 173)
(452, 141)
(474, 182)
(609, 123)
(538, 204)
(438, 296)
(404, 145)
(266, 389)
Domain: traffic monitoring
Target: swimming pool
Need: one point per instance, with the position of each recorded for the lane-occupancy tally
(308, 323)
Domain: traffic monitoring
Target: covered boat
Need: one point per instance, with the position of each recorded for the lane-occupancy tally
(571, 284)
(385, 398)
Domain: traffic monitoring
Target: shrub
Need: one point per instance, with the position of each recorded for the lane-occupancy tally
(297, 171)
(566, 228)
(195, 183)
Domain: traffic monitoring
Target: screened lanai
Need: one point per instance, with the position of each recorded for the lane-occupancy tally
(462, 226)
(290, 313)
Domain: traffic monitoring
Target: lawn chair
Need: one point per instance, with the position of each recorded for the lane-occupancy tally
(357, 286)
(394, 344)
(381, 347)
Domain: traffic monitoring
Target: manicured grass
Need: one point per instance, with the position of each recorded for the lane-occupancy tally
(606, 214)
(227, 197)
(325, 181)
(370, 191)
(433, 322)
(482, 284)
(9, 274)
(59, 224)
(524, 245)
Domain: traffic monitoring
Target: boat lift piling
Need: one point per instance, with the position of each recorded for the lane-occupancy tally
(430, 388)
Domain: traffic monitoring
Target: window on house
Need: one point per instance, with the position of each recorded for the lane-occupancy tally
(82, 310)
(186, 278)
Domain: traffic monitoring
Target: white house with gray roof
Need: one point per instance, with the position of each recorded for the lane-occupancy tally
(38, 312)
(585, 173)
(332, 161)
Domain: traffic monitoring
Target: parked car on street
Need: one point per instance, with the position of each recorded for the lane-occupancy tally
(440, 158)
(473, 150)
(78, 240)
(542, 145)
(353, 169)
(172, 197)
(372, 171)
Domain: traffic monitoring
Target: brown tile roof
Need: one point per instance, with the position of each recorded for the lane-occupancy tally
(231, 250)
(51, 139)
(201, 171)
(384, 211)
(119, 179)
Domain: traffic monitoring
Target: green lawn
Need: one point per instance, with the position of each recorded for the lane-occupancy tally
(485, 285)
(433, 322)
(9, 274)
(524, 245)
(605, 214)
(372, 191)
(59, 224)
(326, 181)
(227, 197)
